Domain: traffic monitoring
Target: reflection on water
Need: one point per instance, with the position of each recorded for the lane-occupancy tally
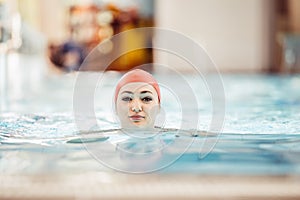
(233, 154)
(261, 135)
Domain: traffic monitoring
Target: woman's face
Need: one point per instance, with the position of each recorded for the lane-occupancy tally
(137, 105)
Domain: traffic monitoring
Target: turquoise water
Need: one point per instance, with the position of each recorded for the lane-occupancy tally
(260, 136)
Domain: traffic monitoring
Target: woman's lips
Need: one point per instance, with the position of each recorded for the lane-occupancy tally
(136, 117)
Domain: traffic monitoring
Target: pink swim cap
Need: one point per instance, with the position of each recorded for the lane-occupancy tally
(137, 75)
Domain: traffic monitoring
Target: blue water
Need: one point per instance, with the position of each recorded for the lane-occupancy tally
(260, 136)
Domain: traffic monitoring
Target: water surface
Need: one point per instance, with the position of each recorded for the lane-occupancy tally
(261, 133)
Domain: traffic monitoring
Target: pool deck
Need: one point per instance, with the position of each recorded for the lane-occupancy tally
(102, 185)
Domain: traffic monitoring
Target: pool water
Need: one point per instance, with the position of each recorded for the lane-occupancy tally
(260, 135)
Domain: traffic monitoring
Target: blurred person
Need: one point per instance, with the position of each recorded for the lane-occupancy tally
(68, 56)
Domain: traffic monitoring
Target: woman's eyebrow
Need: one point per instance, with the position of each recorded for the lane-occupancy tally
(129, 92)
(146, 91)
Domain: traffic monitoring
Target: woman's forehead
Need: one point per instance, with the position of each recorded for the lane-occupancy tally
(138, 87)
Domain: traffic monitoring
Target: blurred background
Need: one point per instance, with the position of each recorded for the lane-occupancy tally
(39, 38)
(240, 36)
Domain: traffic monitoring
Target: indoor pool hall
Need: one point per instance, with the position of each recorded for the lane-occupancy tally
(148, 99)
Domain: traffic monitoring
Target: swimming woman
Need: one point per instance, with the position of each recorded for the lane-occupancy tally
(137, 102)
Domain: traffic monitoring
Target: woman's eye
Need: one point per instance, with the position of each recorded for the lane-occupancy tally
(126, 99)
(146, 99)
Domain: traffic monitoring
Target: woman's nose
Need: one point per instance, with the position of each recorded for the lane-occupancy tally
(136, 106)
